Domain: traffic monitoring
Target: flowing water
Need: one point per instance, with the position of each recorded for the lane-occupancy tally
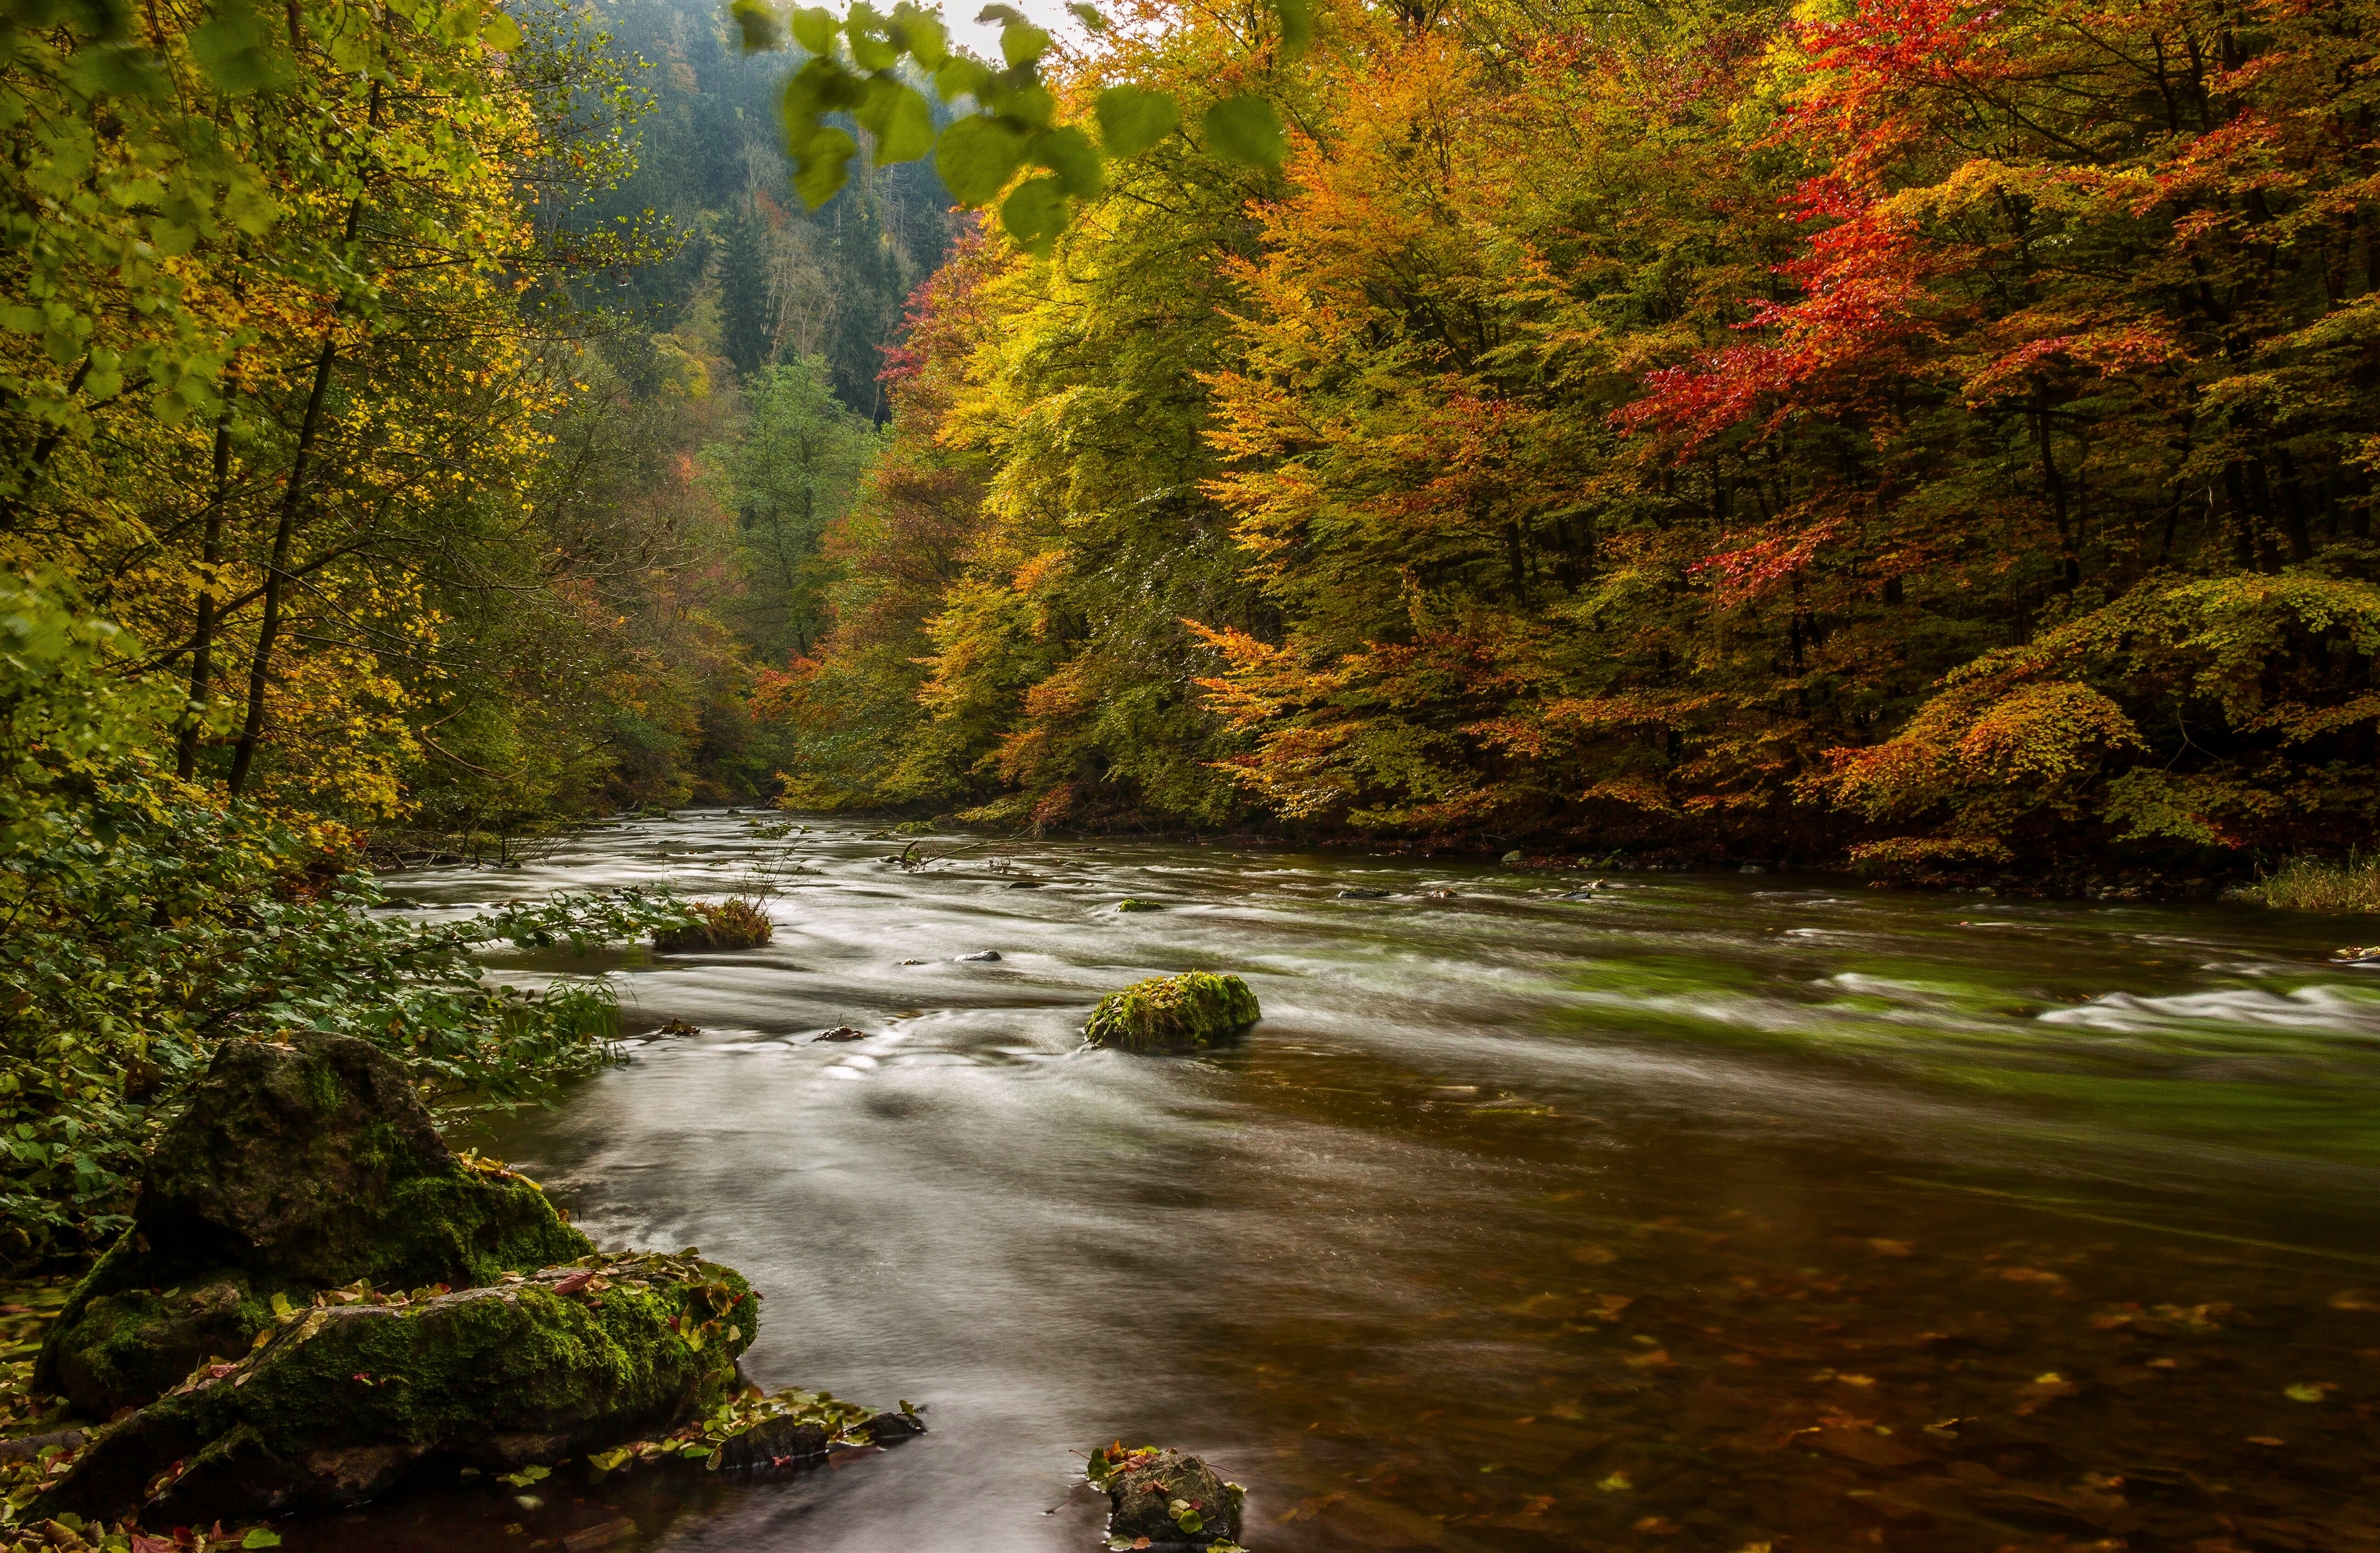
(1705, 1213)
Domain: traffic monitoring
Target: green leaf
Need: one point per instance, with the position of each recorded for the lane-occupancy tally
(239, 53)
(814, 29)
(762, 31)
(1190, 1520)
(1036, 215)
(1246, 131)
(823, 166)
(1089, 16)
(819, 88)
(1296, 25)
(921, 33)
(871, 48)
(900, 119)
(1068, 153)
(501, 33)
(976, 156)
(261, 1536)
(961, 75)
(1132, 118)
(1021, 42)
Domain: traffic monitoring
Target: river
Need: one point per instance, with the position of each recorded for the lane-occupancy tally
(1702, 1213)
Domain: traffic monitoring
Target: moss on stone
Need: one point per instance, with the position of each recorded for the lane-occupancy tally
(294, 1168)
(1173, 1013)
(344, 1401)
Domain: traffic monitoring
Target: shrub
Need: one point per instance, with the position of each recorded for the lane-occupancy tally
(738, 923)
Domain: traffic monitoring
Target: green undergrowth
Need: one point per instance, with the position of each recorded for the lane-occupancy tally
(1172, 1012)
(2349, 884)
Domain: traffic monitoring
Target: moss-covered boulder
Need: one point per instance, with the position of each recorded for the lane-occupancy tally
(1164, 1497)
(1173, 1013)
(293, 1168)
(343, 1402)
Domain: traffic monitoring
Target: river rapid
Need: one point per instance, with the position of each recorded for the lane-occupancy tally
(1702, 1213)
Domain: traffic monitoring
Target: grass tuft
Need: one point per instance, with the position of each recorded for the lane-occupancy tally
(2346, 884)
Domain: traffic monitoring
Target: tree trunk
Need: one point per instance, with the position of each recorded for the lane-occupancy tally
(185, 757)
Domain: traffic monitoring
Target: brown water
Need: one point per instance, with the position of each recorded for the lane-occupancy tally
(1708, 1214)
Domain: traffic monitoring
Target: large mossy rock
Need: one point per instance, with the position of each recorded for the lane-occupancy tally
(343, 1401)
(294, 1168)
(1165, 1497)
(1173, 1013)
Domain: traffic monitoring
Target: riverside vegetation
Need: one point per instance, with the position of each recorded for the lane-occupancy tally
(1930, 437)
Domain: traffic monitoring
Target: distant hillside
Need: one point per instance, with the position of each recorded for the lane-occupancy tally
(786, 282)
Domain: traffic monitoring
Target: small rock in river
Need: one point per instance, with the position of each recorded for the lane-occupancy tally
(841, 1033)
(678, 1027)
(1025, 884)
(1514, 855)
(982, 955)
(1438, 895)
(917, 962)
(1165, 1497)
(1363, 894)
(1138, 905)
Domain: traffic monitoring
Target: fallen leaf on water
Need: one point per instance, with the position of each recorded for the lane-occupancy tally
(2310, 1391)
(1856, 1379)
(1657, 1525)
(1656, 1359)
(2267, 1440)
(2355, 1299)
(2031, 1275)
(1616, 1484)
(1883, 1248)
(1757, 1548)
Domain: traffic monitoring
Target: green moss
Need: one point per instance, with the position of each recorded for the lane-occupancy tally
(123, 1348)
(1174, 1013)
(615, 1347)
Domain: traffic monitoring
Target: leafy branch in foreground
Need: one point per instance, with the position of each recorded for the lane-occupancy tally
(856, 67)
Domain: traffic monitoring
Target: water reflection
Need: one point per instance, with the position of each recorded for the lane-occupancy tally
(1688, 1214)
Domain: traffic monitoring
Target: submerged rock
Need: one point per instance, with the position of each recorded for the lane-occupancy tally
(795, 1427)
(1172, 1012)
(1363, 894)
(840, 1032)
(1165, 1497)
(341, 1402)
(294, 1168)
(981, 956)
